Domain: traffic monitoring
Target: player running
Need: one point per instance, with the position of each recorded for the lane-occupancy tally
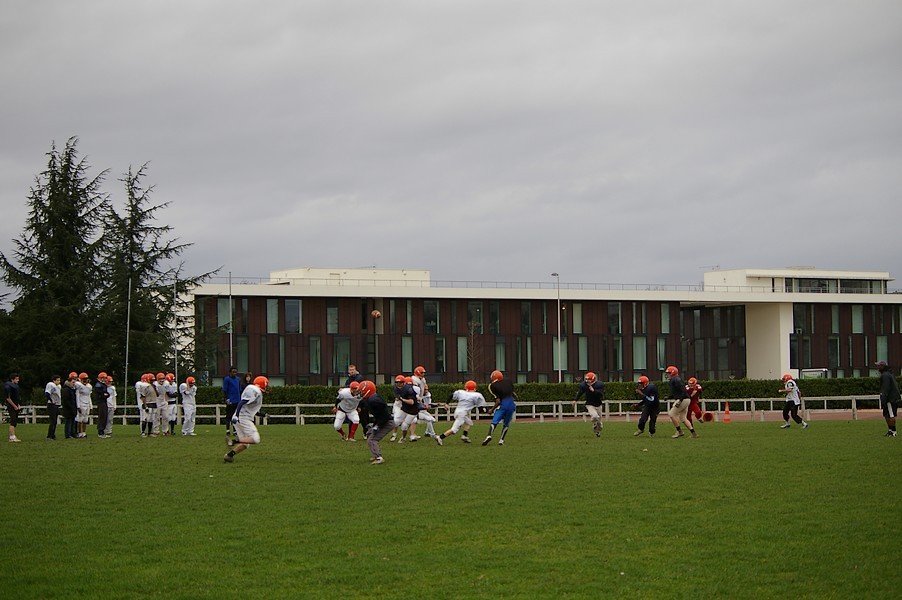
(346, 409)
(467, 399)
(505, 405)
(649, 403)
(594, 391)
(889, 397)
(410, 408)
(243, 420)
(680, 410)
(793, 402)
(378, 421)
(424, 397)
(694, 389)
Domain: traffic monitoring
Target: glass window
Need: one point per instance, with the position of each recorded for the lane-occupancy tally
(662, 353)
(315, 355)
(524, 354)
(392, 318)
(833, 352)
(851, 286)
(560, 355)
(407, 354)
(665, 318)
(882, 353)
(723, 355)
(430, 316)
(341, 354)
(241, 353)
(697, 323)
(583, 359)
(639, 317)
(200, 314)
(409, 316)
(272, 315)
(453, 316)
(715, 320)
(462, 365)
(500, 354)
(834, 318)
(544, 317)
(474, 317)
(640, 352)
(700, 363)
(281, 354)
(494, 317)
(332, 317)
(857, 318)
(243, 326)
(614, 318)
(293, 315)
(223, 313)
(440, 355)
(526, 318)
(577, 318)
(617, 358)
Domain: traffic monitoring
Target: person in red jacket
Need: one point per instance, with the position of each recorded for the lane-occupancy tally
(694, 389)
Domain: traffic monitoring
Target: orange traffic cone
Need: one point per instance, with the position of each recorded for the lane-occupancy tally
(726, 414)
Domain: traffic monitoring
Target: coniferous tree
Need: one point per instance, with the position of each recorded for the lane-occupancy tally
(53, 270)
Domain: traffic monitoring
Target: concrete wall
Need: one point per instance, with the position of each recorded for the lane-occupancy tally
(767, 331)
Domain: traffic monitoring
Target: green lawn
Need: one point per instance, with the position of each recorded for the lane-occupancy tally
(747, 510)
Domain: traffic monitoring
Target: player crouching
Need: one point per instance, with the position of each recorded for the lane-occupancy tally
(467, 399)
(346, 408)
(243, 421)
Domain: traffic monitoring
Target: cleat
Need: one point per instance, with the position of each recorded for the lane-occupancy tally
(785, 426)
(890, 433)
(805, 425)
(597, 433)
(639, 432)
(466, 440)
(676, 435)
(414, 438)
(439, 441)
(228, 458)
(486, 441)
(500, 442)
(230, 442)
(393, 437)
(694, 435)
(401, 440)
(377, 461)
(351, 440)
(14, 439)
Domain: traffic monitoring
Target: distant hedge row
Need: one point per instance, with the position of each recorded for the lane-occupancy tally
(551, 392)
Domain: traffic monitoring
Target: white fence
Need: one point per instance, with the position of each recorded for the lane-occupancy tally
(303, 414)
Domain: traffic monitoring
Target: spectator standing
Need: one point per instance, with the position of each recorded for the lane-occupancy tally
(53, 395)
(231, 393)
(189, 406)
(100, 397)
(889, 397)
(69, 406)
(11, 395)
(110, 406)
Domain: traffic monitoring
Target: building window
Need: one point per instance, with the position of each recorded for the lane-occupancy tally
(665, 318)
(494, 317)
(242, 328)
(474, 317)
(617, 358)
(223, 313)
(700, 363)
(462, 365)
(524, 354)
(697, 323)
(882, 353)
(834, 319)
(293, 316)
(583, 350)
(332, 317)
(272, 315)
(407, 354)
(315, 355)
(803, 318)
(662, 353)
(440, 355)
(577, 317)
(430, 316)
(640, 353)
(281, 355)
(560, 355)
(241, 353)
(453, 316)
(614, 325)
(833, 352)
(500, 362)
(544, 317)
(392, 319)
(857, 318)
(200, 315)
(639, 323)
(526, 318)
(409, 317)
(723, 355)
(341, 354)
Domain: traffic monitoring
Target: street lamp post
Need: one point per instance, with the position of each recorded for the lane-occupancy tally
(558, 285)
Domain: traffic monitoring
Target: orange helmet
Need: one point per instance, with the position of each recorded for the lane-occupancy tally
(400, 379)
(470, 386)
(261, 382)
(643, 381)
(82, 375)
(408, 380)
(590, 376)
(497, 375)
(73, 375)
(102, 376)
(190, 381)
(786, 377)
(419, 371)
(672, 371)
(366, 389)
(355, 385)
(693, 381)
(148, 377)
(161, 375)
(170, 377)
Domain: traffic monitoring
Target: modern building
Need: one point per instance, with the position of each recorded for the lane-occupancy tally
(304, 326)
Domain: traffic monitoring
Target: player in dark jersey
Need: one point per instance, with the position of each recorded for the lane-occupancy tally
(378, 419)
(594, 392)
(889, 397)
(679, 411)
(650, 404)
(505, 405)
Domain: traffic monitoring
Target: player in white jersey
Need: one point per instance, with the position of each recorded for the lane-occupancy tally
(793, 402)
(189, 406)
(467, 399)
(83, 403)
(161, 414)
(110, 406)
(147, 403)
(248, 406)
(346, 409)
(425, 398)
(171, 389)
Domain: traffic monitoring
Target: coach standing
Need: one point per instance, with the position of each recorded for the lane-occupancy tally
(69, 409)
(54, 401)
(231, 393)
(889, 397)
(11, 395)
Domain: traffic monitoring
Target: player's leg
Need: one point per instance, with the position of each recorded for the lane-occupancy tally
(337, 424)
(508, 417)
(786, 409)
(676, 413)
(496, 418)
(247, 435)
(643, 419)
(653, 418)
(411, 422)
(595, 413)
(354, 417)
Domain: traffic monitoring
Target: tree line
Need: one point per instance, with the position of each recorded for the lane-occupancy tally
(81, 268)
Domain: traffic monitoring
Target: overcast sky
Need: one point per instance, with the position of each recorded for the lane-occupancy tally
(610, 141)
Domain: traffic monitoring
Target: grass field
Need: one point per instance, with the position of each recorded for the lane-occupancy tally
(747, 510)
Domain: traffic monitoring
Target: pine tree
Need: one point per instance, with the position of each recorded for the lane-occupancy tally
(49, 329)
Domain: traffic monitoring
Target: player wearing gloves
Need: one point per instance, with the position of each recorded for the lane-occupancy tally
(189, 406)
(649, 403)
(379, 421)
(679, 411)
(243, 419)
(346, 409)
(594, 391)
(467, 399)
